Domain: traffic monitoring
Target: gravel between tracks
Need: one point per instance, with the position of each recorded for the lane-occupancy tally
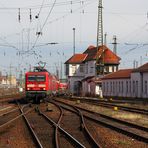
(109, 137)
(16, 135)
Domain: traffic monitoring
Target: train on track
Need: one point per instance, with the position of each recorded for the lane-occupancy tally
(40, 84)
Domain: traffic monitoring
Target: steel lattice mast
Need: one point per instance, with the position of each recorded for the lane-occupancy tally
(100, 25)
(100, 65)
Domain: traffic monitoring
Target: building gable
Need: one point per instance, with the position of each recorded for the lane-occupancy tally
(109, 56)
(76, 59)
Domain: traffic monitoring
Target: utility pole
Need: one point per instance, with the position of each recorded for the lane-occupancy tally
(10, 75)
(114, 44)
(135, 64)
(61, 70)
(140, 60)
(74, 47)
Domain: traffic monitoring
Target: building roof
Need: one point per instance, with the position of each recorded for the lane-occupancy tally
(76, 59)
(143, 68)
(120, 74)
(109, 56)
(91, 53)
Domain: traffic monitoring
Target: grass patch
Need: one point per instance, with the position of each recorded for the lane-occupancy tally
(122, 143)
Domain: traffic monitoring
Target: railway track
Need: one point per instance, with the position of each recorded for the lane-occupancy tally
(132, 130)
(116, 101)
(10, 116)
(47, 133)
(111, 105)
(11, 125)
(78, 125)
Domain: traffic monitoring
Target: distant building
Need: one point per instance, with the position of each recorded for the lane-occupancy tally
(83, 77)
(8, 80)
(127, 83)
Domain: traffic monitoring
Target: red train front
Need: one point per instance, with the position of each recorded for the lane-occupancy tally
(40, 84)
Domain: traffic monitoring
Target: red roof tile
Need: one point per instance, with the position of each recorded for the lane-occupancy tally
(109, 56)
(76, 59)
(91, 54)
(120, 74)
(143, 68)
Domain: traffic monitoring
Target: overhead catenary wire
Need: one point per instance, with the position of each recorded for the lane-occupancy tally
(34, 45)
(45, 5)
(43, 26)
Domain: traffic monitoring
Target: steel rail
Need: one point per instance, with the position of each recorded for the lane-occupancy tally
(128, 133)
(9, 112)
(95, 143)
(109, 104)
(12, 120)
(111, 118)
(36, 139)
(58, 123)
(75, 141)
(130, 109)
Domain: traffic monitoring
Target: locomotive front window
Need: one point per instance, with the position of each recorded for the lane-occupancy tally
(31, 78)
(40, 78)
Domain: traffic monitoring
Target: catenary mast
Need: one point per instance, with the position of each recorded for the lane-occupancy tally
(100, 65)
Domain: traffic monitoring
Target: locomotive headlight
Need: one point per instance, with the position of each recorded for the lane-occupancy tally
(28, 88)
(44, 88)
(30, 85)
(41, 85)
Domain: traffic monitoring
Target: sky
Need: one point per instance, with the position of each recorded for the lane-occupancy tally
(21, 48)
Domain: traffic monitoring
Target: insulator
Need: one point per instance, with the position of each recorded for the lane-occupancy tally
(37, 16)
(19, 15)
(30, 16)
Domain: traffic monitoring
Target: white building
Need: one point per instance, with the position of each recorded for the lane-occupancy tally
(81, 70)
(75, 72)
(127, 83)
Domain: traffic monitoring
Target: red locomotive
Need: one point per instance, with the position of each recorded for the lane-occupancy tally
(40, 84)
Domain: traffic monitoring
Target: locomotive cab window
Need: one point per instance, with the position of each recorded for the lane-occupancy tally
(31, 78)
(40, 78)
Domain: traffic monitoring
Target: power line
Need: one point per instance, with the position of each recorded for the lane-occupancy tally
(45, 6)
(42, 27)
(66, 15)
